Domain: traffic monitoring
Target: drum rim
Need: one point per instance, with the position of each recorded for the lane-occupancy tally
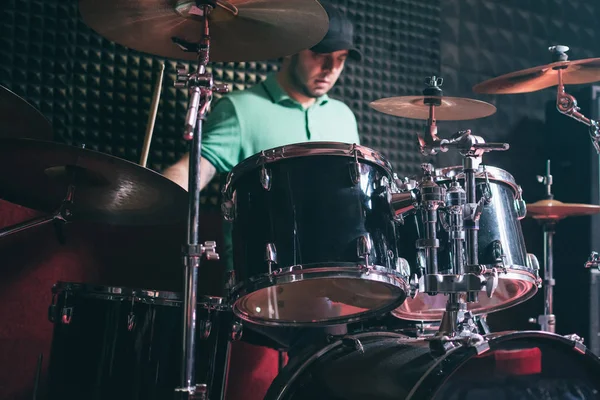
(494, 174)
(521, 273)
(319, 271)
(307, 149)
(112, 292)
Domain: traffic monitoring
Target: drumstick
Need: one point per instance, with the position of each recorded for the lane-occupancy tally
(152, 117)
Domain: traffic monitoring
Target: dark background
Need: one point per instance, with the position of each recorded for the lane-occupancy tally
(97, 92)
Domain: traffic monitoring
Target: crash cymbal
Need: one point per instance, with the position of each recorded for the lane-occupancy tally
(261, 29)
(542, 77)
(555, 210)
(450, 108)
(37, 174)
(19, 119)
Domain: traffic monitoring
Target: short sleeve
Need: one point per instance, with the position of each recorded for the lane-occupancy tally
(221, 136)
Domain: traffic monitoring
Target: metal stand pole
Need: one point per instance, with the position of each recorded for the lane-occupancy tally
(201, 87)
(547, 320)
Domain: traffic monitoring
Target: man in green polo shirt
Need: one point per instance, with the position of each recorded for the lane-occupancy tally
(290, 106)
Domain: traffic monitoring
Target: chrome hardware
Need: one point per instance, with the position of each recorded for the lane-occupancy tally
(209, 250)
(205, 327)
(456, 199)
(487, 191)
(402, 266)
(534, 264)
(520, 205)
(593, 261)
(355, 166)
(432, 198)
(546, 180)
(364, 245)
(265, 178)
(66, 315)
(353, 342)
(130, 321)
(271, 255)
(236, 331)
(491, 284)
(413, 285)
(228, 210)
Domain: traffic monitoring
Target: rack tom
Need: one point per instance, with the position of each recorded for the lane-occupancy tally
(314, 236)
(500, 245)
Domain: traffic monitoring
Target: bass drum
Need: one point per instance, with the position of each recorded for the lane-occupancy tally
(388, 365)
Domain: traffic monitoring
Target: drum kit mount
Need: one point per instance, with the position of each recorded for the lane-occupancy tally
(465, 256)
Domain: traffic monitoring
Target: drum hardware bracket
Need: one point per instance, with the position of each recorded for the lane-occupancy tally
(593, 261)
(567, 104)
(271, 256)
(520, 204)
(236, 331)
(355, 165)
(62, 216)
(354, 343)
(208, 249)
(577, 342)
(265, 174)
(364, 246)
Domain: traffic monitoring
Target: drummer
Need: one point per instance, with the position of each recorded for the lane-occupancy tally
(290, 106)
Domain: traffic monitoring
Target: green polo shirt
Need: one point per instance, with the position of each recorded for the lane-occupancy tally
(244, 123)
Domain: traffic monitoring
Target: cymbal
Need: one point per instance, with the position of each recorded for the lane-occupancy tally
(261, 30)
(37, 174)
(20, 119)
(450, 109)
(544, 76)
(555, 210)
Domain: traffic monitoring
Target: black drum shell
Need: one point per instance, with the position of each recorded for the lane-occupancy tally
(313, 213)
(97, 356)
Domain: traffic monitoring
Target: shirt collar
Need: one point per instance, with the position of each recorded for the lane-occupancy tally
(278, 95)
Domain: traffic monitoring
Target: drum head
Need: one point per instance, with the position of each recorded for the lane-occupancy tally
(319, 298)
(514, 288)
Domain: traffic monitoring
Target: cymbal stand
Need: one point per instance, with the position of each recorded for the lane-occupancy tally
(200, 85)
(547, 320)
(567, 104)
(60, 217)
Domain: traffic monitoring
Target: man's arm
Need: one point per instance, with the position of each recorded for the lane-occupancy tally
(180, 172)
(221, 146)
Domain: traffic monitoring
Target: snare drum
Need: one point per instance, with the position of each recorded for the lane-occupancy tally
(500, 245)
(120, 343)
(314, 236)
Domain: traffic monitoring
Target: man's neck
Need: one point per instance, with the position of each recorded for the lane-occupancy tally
(289, 88)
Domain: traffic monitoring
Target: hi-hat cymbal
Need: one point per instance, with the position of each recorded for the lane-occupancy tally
(19, 119)
(555, 210)
(450, 108)
(542, 77)
(37, 174)
(261, 29)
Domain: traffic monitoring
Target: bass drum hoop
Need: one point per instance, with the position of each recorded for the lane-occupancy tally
(293, 370)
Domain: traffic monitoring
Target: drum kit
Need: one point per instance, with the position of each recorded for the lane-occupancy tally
(310, 249)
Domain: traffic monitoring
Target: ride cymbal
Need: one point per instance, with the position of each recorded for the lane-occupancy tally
(20, 119)
(449, 108)
(542, 77)
(260, 30)
(37, 175)
(555, 210)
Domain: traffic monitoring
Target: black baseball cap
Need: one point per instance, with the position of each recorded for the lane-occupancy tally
(340, 35)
